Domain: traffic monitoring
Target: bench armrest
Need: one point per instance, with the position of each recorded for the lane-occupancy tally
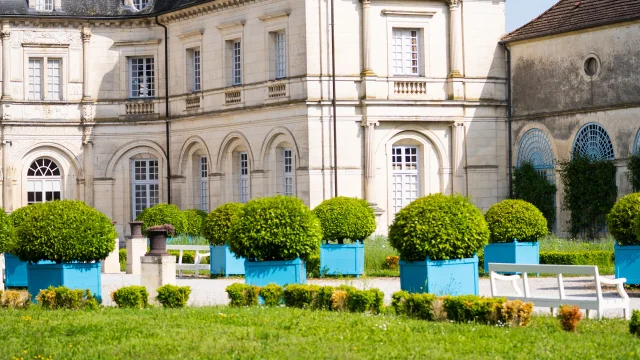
(607, 281)
(505, 277)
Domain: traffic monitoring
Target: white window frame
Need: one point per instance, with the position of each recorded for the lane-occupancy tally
(44, 5)
(35, 83)
(281, 54)
(44, 183)
(243, 175)
(288, 178)
(141, 4)
(148, 86)
(148, 183)
(236, 62)
(402, 196)
(401, 38)
(197, 70)
(46, 89)
(203, 169)
(54, 80)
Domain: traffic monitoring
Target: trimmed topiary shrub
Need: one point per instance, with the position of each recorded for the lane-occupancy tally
(218, 223)
(570, 317)
(65, 231)
(275, 228)
(620, 219)
(162, 214)
(634, 325)
(242, 294)
(7, 233)
(345, 218)
(272, 294)
(439, 227)
(194, 219)
(17, 218)
(14, 299)
(131, 297)
(64, 298)
(173, 297)
(509, 220)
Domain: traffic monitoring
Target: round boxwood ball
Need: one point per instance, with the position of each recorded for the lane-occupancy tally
(218, 223)
(509, 220)
(7, 233)
(620, 219)
(438, 227)
(346, 218)
(162, 214)
(65, 231)
(275, 228)
(194, 219)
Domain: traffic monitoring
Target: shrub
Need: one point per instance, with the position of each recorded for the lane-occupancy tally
(162, 214)
(438, 227)
(399, 302)
(275, 228)
(634, 325)
(516, 313)
(272, 294)
(313, 265)
(601, 258)
(531, 186)
(65, 231)
(345, 218)
(361, 301)
(243, 294)
(515, 219)
(620, 219)
(173, 297)
(301, 296)
(392, 262)
(12, 299)
(472, 308)
(122, 256)
(324, 301)
(131, 297)
(570, 317)
(64, 298)
(339, 300)
(7, 233)
(194, 219)
(219, 222)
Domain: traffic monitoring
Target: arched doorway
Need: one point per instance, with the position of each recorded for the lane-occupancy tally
(44, 181)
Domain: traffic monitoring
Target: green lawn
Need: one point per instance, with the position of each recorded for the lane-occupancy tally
(283, 333)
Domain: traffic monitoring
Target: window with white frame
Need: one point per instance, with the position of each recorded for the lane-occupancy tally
(281, 56)
(236, 63)
(140, 4)
(244, 176)
(288, 183)
(204, 183)
(145, 185)
(44, 5)
(405, 176)
(141, 77)
(194, 70)
(49, 89)
(406, 52)
(44, 181)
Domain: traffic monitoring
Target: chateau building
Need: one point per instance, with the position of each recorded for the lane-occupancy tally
(128, 103)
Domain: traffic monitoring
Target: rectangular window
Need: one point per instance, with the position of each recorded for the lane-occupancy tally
(196, 70)
(53, 79)
(244, 177)
(236, 61)
(146, 191)
(287, 155)
(405, 176)
(204, 184)
(406, 50)
(142, 78)
(140, 4)
(281, 62)
(35, 79)
(44, 5)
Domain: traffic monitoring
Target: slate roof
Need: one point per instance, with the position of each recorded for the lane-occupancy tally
(571, 15)
(94, 8)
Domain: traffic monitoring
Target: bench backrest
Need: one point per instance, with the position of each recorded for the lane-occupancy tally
(546, 269)
(188, 247)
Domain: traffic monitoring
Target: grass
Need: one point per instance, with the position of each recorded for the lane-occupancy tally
(284, 333)
(376, 250)
(553, 243)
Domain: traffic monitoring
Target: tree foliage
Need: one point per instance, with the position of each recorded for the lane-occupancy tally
(533, 187)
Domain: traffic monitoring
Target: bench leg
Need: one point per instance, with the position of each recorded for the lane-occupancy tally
(626, 313)
(600, 314)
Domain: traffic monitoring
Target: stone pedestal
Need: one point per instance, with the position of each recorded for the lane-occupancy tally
(136, 248)
(111, 265)
(157, 271)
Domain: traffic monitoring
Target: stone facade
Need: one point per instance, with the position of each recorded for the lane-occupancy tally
(452, 113)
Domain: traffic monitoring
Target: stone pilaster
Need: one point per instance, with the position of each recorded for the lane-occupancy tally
(456, 56)
(366, 36)
(86, 56)
(370, 168)
(458, 134)
(5, 34)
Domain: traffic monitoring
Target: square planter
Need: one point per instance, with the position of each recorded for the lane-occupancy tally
(223, 262)
(262, 273)
(627, 263)
(16, 271)
(440, 277)
(342, 259)
(512, 253)
(79, 276)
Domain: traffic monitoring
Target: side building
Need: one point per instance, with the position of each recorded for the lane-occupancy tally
(420, 102)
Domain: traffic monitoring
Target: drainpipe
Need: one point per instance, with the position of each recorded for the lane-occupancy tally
(333, 100)
(166, 106)
(509, 119)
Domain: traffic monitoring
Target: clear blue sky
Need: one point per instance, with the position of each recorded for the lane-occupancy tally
(520, 12)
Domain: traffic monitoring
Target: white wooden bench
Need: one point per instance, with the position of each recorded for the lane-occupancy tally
(597, 302)
(201, 252)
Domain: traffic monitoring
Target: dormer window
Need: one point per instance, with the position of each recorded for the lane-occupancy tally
(44, 5)
(140, 4)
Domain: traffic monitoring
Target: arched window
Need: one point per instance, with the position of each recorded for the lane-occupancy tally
(593, 141)
(535, 149)
(44, 181)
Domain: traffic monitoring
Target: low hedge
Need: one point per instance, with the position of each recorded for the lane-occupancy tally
(64, 298)
(634, 325)
(600, 258)
(13, 299)
(133, 297)
(172, 296)
(242, 294)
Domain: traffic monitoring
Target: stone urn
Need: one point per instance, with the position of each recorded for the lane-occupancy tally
(136, 229)
(158, 239)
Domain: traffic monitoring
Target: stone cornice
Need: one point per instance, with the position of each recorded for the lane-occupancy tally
(204, 9)
(138, 42)
(274, 16)
(400, 12)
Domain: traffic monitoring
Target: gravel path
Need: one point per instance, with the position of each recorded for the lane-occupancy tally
(211, 292)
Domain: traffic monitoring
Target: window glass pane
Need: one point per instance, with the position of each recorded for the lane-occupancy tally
(237, 64)
(53, 79)
(405, 50)
(244, 177)
(196, 70)
(405, 186)
(281, 64)
(145, 187)
(142, 77)
(140, 4)
(35, 79)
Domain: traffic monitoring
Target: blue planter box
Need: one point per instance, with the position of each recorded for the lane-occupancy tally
(342, 259)
(440, 277)
(72, 275)
(262, 273)
(223, 262)
(16, 271)
(627, 261)
(512, 253)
